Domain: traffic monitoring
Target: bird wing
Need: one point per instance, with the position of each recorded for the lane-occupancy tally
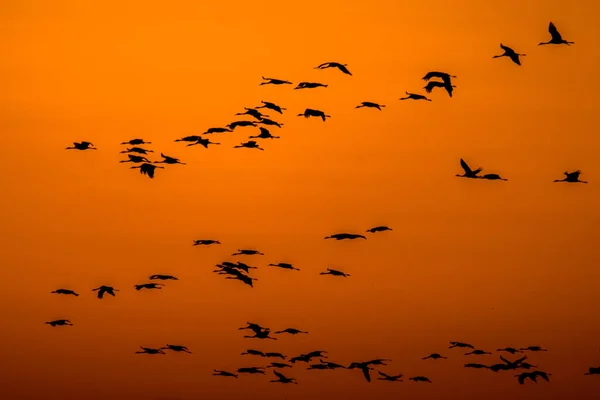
(365, 371)
(464, 165)
(515, 58)
(344, 69)
(383, 374)
(279, 375)
(522, 378)
(506, 48)
(554, 32)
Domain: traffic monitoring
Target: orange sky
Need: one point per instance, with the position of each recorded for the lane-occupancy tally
(491, 263)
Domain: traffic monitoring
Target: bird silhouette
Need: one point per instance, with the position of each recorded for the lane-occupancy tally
(273, 354)
(370, 104)
(59, 322)
(533, 348)
(341, 67)
(135, 159)
(105, 289)
(278, 365)
(251, 370)
(433, 84)
(191, 138)
(251, 144)
(135, 142)
(475, 365)
(380, 228)
(420, 379)
(176, 348)
(216, 130)
(331, 365)
(335, 272)
(148, 286)
(436, 74)
(202, 142)
(149, 350)
(284, 266)
(282, 378)
(168, 160)
(593, 371)
(309, 112)
(256, 328)
(138, 150)
(510, 350)
(461, 344)
(469, 173)
(477, 353)
(205, 242)
(391, 378)
(264, 134)
(64, 291)
(291, 331)
(571, 177)
(217, 372)
(510, 53)
(235, 124)
(493, 177)
(270, 122)
(556, 37)
(414, 96)
(364, 367)
(252, 112)
(273, 81)
(434, 356)
(82, 146)
(147, 169)
(345, 236)
(309, 85)
(318, 366)
(533, 376)
(264, 334)
(247, 252)
(271, 106)
(163, 277)
(253, 352)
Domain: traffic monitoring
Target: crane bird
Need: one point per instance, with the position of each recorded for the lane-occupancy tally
(134, 142)
(147, 169)
(273, 81)
(82, 146)
(168, 160)
(335, 272)
(556, 37)
(433, 84)
(271, 106)
(309, 112)
(105, 289)
(510, 53)
(64, 291)
(571, 177)
(59, 322)
(436, 74)
(251, 144)
(370, 104)
(309, 85)
(341, 67)
(469, 173)
(414, 96)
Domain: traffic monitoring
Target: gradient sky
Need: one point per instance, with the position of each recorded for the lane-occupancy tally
(491, 263)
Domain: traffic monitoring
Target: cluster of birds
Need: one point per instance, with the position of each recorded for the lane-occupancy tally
(240, 270)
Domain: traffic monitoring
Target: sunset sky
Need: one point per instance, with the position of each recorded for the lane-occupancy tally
(491, 263)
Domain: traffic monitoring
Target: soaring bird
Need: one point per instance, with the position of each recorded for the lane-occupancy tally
(436, 74)
(273, 354)
(364, 367)
(59, 322)
(205, 242)
(434, 356)
(177, 348)
(273, 81)
(251, 370)
(203, 142)
(345, 236)
(284, 266)
(216, 130)
(461, 344)
(593, 371)
(271, 106)
(264, 134)
(493, 177)
(533, 376)
(309, 112)
(291, 331)
(571, 177)
(556, 37)
(135, 159)
(134, 142)
(278, 365)
(270, 122)
(148, 286)
(82, 146)
(149, 350)
(341, 67)
(370, 104)
(309, 85)
(282, 378)
(264, 334)
(138, 150)
(433, 84)
(168, 160)
(380, 228)
(105, 289)
(533, 348)
(251, 144)
(510, 53)
(163, 277)
(420, 379)
(469, 173)
(191, 138)
(247, 252)
(217, 372)
(475, 365)
(252, 112)
(414, 96)
(391, 378)
(510, 350)
(235, 124)
(477, 353)
(335, 272)
(253, 352)
(147, 169)
(256, 328)
(64, 291)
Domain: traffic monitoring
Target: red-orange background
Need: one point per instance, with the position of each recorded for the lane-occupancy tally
(492, 263)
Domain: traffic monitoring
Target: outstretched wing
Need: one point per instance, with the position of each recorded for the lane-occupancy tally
(464, 165)
(522, 378)
(554, 32)
(365, 371)
(279, 375)
(506, 48)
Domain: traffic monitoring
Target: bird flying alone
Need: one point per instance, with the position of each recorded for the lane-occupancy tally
(82, 146)
(571, 177)
(334, 272)
(341, 67)
(510, 53)
(370, 104)
(273, 81)
(345, 236)
(556, 37)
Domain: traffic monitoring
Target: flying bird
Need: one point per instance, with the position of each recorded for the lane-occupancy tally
(163, 277)
(216, 130)
(533, 376)
(434, 356)
(380, 228)
(282, 378)
(469, 173)
(533, 348)
(571, 177)
(217, 372)
(510, 53)
(247, 252)
(364, 367)
(253, 112)
(59, 322)
(168, 160)
(291, 331)
(138, 150)
(149, 350)
(82, 146)
(205, 242)
(391, 378)
(341, 67)
(177, 348)
(235, 124)
(593, 371)
(271, 106)
(148, 286)
(64, 291)
(510, 350)
(251, 370)
(345, 236)
(477, 353)
(251, 144)
(461, 344)
(420, 379)
(370, 104)
(191, 138)
(284, 266)
(134, 142)
(414, 96)
(105, 289)
(273, 81)
(556, 37)
(335, 272)
(309, 85)
(433, 84)
(264, 134)
(309, 112)
(203, 142)
(436, 74)
(147, 169)
(135, 159)
(270, 122)
(253, 352)
(475, 365)
(493, 177)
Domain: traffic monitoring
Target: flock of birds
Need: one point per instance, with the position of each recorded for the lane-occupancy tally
(240, 270)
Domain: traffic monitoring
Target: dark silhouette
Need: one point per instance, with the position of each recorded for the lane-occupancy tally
(264, 134)
(235, 124)
(191, 138)
(370, 104)
(461, 344)
(556, 37)
(318, 366)
(436, 74)
(331, 365)
(105, 289)
(283, 379)
(291, 331)
(510, 53)
(476, 366)
(251, 144)
(420, 379)
(147, 169)
(205, 242)
(271, 106)
(493, 177)
(264, 334)
(284, 266)
(59, 322)
(469, 173)
(309, 112)
(135, 142)
(477, 353)
(148, 286)
(270, 122)
(532, 348)
(216, 130)
(525, 365)
(251, 370)
(253, 352)
(253, 112)
(309, 85)
(247, 252)
(217, 372)
(593, 371)
(243, 278)
(434, 356)
(163, 277)
(138, 150)
(135, 159)
(64, 291)
(391, 378)
(177, 348)
(335, 272)
(256, 328)
(278, 365)
(571, 177)
(364, 367)
(203, 142)
(168, 160)
(510, 350)
(273, 81)
(533, 376)
(433, 84)
(274, 355)
(414, 96)
(345, 236)
(82, 146)
(149, 350)
(380, 228)
(341, 67)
